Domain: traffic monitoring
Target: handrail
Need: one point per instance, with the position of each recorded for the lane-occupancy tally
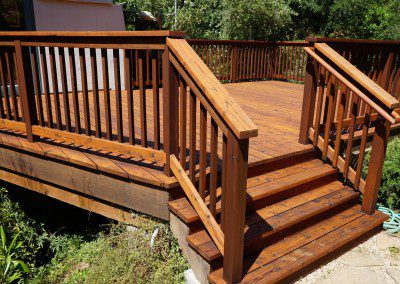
(92, 34)
(358, 76)
(391, 117)
(333, 107)
(195, 199)
(216, 93)
(192, 92)
(245, 42)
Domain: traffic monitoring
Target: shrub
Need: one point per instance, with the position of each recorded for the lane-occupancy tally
(11, 269)
(32, 234)
(119, 256)
(389, 193)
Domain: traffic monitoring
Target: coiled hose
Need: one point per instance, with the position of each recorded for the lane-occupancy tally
(392, 226)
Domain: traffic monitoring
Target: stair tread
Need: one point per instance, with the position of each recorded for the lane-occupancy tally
(279, 216)
(287, 257)
(262, 185)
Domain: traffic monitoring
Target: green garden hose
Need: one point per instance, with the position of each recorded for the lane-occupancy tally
(392, 226)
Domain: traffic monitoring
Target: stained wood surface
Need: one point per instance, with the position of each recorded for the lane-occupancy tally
(274, 106)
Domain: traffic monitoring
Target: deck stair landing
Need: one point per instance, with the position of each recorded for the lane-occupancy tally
(298, 216)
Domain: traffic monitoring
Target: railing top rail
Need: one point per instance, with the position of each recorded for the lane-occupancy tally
(231, 113)
(354, 41)
(160, 33)
(358, 76)
(246, 42)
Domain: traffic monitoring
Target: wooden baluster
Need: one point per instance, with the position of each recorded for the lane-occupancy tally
(85, 95)
(45, 78)
(374, 175)
(36, 80)
(10, 71)
(310, 89)
(75, 99)
(118, 96)
(54, 80)
(183, 122)
(170, 110)
(6, 100)
(129, 93)
(203, 152)
(64, 85)
(106, 90)
(142, 94)
(318, 110)
(192, 136)
(156, 98)
(213, 167)
(223, 179)
(353, 117)
(387, 71)
(95, 88)
(26, 88)
(341, 107)
(332, 96)
(235, 207)
(363, 145)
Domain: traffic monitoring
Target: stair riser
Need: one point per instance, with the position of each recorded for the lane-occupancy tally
(290, 192)
(281, 163)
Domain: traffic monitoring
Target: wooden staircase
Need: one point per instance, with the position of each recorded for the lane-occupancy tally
(298, 215)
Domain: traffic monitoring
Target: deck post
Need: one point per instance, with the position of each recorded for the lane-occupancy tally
(310, 90)
(170, 110)
(234, 63)
(26, 87)
(235, 207)
(374, 175)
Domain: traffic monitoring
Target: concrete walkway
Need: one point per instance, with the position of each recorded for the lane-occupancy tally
(375, 261)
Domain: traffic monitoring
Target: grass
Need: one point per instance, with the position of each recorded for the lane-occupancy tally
(70, 248)
(118, 256)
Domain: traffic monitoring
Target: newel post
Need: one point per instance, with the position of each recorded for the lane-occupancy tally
(26, 87)
(310, 90)
(235, 207)
(374, 175)
(170, 110)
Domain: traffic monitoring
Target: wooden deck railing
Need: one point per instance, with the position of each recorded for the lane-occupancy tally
(221, 171)
(340, 100)
(237, 61)
(378, 59)
(74, 86)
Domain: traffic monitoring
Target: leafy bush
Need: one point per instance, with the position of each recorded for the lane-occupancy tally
(11, 269)
(33, 237)
(389, 193)
(116, 257)
(256, 19)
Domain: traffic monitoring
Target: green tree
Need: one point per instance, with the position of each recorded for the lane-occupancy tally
(200, 18)
(256, 19)
(310, 18)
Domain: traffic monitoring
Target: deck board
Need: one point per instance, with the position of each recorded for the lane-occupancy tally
(274, 106)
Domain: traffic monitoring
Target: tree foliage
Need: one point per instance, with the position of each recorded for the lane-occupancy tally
(276, 19)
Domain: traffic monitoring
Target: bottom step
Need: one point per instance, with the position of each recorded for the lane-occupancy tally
(307, 249)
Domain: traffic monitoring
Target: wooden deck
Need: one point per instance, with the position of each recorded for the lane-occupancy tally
(274, 106)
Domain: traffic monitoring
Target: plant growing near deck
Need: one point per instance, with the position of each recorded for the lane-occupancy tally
(11, 269)
(389, 193)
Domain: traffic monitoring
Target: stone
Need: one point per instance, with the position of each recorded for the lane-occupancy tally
(351, 275)
(394, 272)
(384, 241)
(190, 278)
(362, 259)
